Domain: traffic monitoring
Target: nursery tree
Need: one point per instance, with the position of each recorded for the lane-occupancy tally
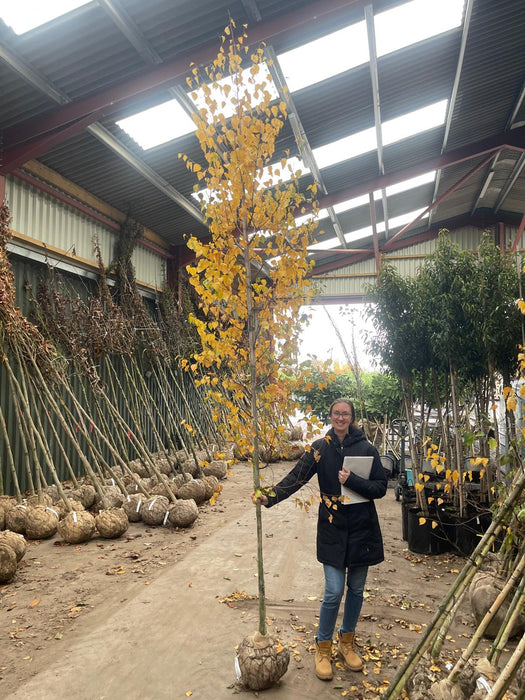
(251, 273)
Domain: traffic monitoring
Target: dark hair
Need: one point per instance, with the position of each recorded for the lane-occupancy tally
(350, 404)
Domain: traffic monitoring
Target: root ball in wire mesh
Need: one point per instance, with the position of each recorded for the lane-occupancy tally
(192, 489)
(211, 485)
(153, 510)
(16, 541)
(162, 490)
(113, 498)
(85, 494)
(44, 500)
(62, 509)
(262, 660)
(77, 527)
(8, 563)
(139, 469)
(183, 513)
(131, 506)
(111, 523)
(190, 467)
(41, 523)
(217, 468)
(15, 518)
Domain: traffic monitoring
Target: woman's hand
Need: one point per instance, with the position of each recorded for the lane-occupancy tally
(343, 475)
(261, 499)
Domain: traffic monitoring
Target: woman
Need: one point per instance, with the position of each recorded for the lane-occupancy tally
(348, 535)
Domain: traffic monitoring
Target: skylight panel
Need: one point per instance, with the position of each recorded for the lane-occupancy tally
(158, 124)
(414, 122)
(394, 130)
(415, 21)
(347, 48)
(227, 104)
(24, 15)
(424, 179)
(366, 232)
(325, 57)
(345, 148)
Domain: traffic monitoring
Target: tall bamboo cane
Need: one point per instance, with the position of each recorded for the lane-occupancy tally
(515, 609)
(462, 581)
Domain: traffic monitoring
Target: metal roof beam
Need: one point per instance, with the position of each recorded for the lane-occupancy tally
(513, 140)
(374, 77)
(455, 88)
(160, 77)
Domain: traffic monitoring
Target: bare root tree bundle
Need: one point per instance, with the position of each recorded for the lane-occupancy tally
(8, 563)
(77, 527)
(16, 541)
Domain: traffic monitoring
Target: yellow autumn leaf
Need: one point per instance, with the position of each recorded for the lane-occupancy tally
(422, 521)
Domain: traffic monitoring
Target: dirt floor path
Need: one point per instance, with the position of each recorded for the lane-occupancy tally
(158, 613)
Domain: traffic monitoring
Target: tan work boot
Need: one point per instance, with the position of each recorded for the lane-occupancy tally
(345, 647)
(323, 660)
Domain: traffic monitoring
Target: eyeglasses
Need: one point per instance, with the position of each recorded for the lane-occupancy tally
(338, 414)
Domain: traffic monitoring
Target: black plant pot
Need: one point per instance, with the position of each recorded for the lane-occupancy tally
(424, 538)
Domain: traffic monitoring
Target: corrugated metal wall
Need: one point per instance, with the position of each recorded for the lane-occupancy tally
(41, 218)
(47, 220)
(353, 280)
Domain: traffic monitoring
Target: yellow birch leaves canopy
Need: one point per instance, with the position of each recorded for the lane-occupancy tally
(250, 199)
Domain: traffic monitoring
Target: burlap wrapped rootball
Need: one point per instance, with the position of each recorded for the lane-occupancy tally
(211, 485)
(16, 541)
(15, 518)
(164, 466)
(41, 523)
(192, 489)
(139, 469)
(263, 660)
(113, 498)
(85, 494)
(293, 450)
(153, 510)
(131, 506)
(163, 490)
(111, 523)
(483, 591)
(218, 468)
(43, 500)
(77, 527)
(296, 433)
(7, 563)
(190, 467)
(63, 509)
(183, 513)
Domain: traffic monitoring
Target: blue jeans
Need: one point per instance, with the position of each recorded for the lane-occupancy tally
(333, 593)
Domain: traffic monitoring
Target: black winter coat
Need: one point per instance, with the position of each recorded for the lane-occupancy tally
(347, 535)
